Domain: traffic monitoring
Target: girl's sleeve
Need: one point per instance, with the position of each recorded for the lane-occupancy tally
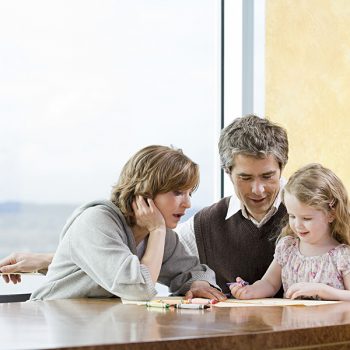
(344, 260)
(179, 269)
(280, 252)
(98, 246)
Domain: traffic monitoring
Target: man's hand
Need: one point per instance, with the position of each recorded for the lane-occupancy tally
(23, 262)
(202, 289)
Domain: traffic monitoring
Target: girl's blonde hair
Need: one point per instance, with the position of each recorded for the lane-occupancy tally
(153, 170)
(320, 188)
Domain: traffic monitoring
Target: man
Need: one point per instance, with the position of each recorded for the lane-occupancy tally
(236, 236)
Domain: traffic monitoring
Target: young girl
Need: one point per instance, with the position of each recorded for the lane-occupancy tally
(122, 247)
(312, 256)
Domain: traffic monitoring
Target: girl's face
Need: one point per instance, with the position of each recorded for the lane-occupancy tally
(173, 205)
(309, 224)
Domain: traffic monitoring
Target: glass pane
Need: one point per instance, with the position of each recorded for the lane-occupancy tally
(85, 84)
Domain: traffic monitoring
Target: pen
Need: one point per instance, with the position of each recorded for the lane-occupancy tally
(191, 306)
(157, 304)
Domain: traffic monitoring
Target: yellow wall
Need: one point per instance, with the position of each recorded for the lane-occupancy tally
(308, 80)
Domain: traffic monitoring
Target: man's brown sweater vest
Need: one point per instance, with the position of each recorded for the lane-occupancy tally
(235, 247)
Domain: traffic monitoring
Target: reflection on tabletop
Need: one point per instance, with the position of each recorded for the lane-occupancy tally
(94, 321)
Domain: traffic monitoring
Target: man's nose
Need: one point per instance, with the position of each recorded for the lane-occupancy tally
(258, 187)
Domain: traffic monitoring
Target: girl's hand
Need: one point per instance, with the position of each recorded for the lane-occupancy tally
(147, 215)
(304, 289)
(240, 290)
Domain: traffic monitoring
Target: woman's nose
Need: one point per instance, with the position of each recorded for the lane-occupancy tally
(186, 201)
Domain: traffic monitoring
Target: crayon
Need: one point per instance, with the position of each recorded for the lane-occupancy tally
(241, 283)
(157, 304)
(201, 301)
(191, 306)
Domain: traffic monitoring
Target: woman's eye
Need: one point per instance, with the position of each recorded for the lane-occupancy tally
(177, 193)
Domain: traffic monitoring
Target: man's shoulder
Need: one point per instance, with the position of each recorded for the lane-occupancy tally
(218, 208)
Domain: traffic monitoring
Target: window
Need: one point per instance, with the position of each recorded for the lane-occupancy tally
(84, 85)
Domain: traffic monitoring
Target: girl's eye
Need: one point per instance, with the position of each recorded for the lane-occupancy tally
(307, 219)
(291, 217)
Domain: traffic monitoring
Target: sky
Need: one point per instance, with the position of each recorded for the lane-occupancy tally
(85, 84)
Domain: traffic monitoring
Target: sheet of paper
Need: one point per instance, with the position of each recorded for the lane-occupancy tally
(271, 302)
(241, 303)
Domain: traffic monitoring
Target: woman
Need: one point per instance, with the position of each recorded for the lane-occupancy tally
(122, 247)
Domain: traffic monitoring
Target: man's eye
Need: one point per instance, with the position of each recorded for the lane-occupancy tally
(266, 177)
(245, 178)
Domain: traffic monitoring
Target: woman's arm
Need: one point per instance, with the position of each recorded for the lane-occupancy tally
(184, 274)
(320, 290)
(268, 286)
(149, 217)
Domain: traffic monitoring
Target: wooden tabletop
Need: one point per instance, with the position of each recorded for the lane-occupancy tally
(108, 324)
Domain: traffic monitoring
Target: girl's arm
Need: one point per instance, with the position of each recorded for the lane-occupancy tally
(268, 286)
(320, 290)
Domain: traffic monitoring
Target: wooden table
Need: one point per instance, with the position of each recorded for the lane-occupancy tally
(107, 324)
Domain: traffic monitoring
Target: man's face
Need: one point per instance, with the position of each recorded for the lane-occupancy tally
(256, 183)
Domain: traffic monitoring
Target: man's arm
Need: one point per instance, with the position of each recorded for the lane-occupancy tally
(24, 262)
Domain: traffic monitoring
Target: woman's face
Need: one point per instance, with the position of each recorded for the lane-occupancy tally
(173, 205)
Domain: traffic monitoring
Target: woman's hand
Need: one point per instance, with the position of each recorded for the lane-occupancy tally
(202, 289)
(147, 215)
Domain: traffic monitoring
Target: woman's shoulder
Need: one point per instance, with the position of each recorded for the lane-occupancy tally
(100, 209)
(98, 216)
